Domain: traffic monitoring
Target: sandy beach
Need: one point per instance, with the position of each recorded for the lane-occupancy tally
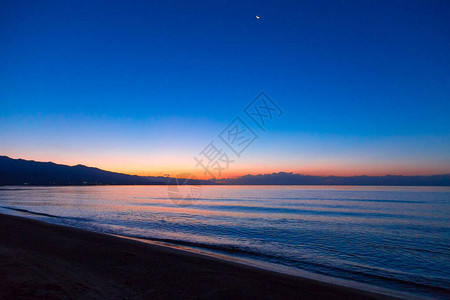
(40, 260)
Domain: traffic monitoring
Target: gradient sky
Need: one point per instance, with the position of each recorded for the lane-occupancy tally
(143, 86)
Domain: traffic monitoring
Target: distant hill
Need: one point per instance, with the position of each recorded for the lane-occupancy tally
(283, 178)
(29, 172)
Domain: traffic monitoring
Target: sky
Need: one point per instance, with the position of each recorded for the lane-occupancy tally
(144, 87)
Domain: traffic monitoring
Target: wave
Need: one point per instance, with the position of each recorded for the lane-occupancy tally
(44, 214)
(287, 210)
(288, 198)
(384, 277)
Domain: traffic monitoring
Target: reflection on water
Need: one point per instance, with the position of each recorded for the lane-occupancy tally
(394, 237)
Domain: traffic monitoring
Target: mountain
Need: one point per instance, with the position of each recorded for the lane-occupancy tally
(283, 178)
(21, 172)
(28, 172)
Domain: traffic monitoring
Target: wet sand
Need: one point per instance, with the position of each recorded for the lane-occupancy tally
(41, 260)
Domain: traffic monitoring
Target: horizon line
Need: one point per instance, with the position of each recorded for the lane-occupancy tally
(226, 178)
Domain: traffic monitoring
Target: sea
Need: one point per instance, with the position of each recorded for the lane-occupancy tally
(392, 240)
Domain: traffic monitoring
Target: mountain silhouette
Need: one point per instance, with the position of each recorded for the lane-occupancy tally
(29, 172)
(283, 178)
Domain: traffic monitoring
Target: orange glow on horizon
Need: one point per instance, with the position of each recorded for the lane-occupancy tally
(171, 165)
(199, 174)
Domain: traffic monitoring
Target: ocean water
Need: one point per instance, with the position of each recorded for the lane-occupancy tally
(397, 238)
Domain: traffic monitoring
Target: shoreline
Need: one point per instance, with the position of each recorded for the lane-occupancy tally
(278, 269)
(42, 260)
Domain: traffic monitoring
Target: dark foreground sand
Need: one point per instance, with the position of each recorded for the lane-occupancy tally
(40, 260)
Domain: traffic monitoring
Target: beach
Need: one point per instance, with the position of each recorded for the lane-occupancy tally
(41, 260)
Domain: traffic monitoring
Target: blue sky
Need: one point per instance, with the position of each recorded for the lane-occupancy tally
(143, 86)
